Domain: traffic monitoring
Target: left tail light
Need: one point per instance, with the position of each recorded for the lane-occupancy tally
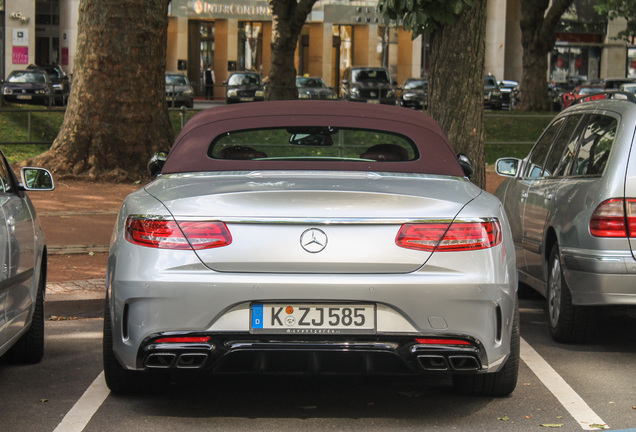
(170, 234)
(453, 237)
(614, 217)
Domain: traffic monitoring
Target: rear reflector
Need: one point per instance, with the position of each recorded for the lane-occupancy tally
(168, 234)
(614, 218)
(441, 341)
(183, 339)
(460, 236)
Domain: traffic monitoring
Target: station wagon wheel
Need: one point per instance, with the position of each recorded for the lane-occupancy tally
(568, 323)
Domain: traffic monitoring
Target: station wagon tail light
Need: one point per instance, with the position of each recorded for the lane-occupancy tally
(455, 237)
(168, 234)
(614, 218)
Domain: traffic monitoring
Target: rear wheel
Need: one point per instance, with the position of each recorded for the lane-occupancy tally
(497, 384)
(118, 379)
(30, 348)
(568, 323)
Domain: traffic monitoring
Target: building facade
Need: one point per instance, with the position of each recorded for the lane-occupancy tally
(233, 35)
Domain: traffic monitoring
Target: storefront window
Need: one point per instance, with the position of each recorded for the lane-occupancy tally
(570, 66)
(250, 52)
(631, 61)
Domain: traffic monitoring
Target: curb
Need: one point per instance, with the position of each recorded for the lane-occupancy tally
(75, 299)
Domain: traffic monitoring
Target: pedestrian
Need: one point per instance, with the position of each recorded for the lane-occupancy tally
(209, 82)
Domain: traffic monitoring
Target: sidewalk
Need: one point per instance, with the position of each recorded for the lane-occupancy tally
(78, 219)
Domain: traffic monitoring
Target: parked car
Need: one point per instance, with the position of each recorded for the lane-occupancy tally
(492, 93)
(593, 91)
(314, 88)
(313, 237)
(23, 260)
(244, 87)
(414, 93)
(60, 81)
(611, 83)
(628, 87)
(572, 209)
(368, 84)
(28, 86)
(509, 94)
(179, 90)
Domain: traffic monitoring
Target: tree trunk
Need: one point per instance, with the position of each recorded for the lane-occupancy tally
(117, 115)
(456, 83)
(537, 40)
(288, 18)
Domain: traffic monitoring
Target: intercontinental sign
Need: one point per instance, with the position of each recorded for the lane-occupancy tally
(241, 9)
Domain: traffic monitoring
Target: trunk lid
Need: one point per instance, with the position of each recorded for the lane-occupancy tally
(278, 220)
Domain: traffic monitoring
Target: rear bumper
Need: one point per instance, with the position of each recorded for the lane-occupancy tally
(472, 306)
(600, 279)
(228, 353)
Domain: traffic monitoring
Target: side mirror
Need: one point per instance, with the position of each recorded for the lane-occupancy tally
(466, 165)
(36, 179)
(156, 163)
(507, 167)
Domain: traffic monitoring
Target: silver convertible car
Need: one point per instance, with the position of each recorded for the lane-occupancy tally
(313, 237)
(572, 209)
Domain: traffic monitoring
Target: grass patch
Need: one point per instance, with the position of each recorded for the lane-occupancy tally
(500, 130)
(509, 128)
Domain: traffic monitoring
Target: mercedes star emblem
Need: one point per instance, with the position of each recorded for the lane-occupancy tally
(313, 240)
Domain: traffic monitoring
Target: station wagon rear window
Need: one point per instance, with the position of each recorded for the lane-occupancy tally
(313, 143)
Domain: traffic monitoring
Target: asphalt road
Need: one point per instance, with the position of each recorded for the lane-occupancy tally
(562, 387)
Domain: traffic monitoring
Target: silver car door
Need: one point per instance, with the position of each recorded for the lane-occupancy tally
(536, 196)
(4, 270)
(20, 246)
(542, 197)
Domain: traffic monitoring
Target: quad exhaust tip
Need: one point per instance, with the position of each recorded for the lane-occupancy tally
(450, 363)
(171, 360)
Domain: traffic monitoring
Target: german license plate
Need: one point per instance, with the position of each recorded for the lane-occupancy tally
(25, 97)
(373, 101)
(246, 99)
(313, 318)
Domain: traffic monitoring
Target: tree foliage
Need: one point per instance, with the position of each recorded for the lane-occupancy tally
(623, 9)
(288, 18)
(456, 78)
(420, 16)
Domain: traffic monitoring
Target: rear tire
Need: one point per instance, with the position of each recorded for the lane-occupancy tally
(568, 323)
(118, 379)
(497, 384)
(30, 348)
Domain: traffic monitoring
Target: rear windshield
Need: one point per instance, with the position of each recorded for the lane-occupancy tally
(314, 144)
(376, 75)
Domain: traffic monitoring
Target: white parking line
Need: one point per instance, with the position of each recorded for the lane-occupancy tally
(82, 412)
(570, 400)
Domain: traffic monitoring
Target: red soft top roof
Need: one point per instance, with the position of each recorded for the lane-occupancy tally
(189, 152)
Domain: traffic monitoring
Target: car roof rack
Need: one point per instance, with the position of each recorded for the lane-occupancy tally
(608, 94)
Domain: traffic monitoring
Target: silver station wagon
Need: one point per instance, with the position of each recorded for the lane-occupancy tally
(313, 237)
(572, 209)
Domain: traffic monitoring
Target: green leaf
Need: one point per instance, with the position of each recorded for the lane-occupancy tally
(504, 418)
(421, 18)
(552, 425)
(410, 5)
